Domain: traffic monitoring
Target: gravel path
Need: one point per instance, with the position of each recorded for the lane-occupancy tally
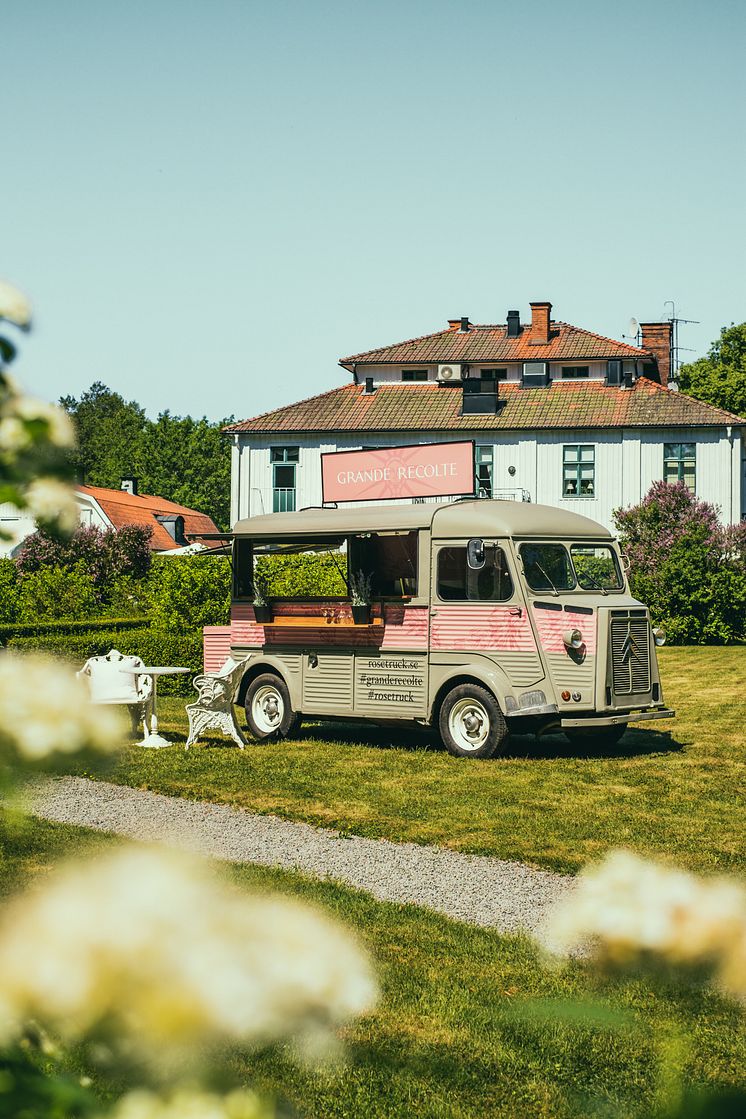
(482, 891)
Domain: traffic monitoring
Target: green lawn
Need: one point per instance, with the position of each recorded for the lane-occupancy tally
(672, 790)
(449, 1040)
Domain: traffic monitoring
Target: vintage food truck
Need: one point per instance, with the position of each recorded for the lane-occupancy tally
(481, 617)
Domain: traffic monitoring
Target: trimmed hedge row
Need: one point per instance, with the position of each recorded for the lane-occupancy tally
(9, 631)
(154, 646)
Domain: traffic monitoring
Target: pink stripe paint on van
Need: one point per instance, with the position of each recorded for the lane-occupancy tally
(552, 624)
(481, 626)
(216, 646)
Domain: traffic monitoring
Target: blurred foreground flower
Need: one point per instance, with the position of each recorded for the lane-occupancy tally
(14, 306)
(191, 1105)
(146, 946)
(634, 910)
(52, 504)
(45, 710)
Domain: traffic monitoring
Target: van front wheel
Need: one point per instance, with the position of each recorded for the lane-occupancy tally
(269, 713)
(471, 723)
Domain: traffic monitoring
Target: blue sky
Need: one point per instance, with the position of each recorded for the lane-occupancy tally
(210, 203)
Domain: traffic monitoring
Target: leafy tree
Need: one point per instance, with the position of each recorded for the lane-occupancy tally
(111, 435)
(720, 378)
(686, 566)
(176, 457)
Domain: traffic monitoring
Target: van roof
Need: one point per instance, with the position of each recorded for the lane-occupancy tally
(476, 517)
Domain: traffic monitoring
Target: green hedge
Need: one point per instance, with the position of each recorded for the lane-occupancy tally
(300, 576)
(114, 625)
(154, 646)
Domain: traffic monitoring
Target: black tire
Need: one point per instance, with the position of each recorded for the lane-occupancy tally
(269, 712)
(471, 723)
(600, 738)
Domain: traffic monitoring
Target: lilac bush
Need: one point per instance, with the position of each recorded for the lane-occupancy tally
(105, 555)
(685, 565)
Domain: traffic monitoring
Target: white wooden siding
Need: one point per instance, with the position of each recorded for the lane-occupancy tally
(627, 463)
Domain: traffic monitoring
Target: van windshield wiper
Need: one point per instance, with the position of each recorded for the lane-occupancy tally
(595, 582)
(555, 592)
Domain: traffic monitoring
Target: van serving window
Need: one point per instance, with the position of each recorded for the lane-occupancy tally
(457, 582)
(547, 567)
(390, 559)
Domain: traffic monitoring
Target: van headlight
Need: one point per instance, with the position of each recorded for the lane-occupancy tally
(573, 638)
(659, 636)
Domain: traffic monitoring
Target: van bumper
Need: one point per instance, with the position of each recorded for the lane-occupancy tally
(616, 720)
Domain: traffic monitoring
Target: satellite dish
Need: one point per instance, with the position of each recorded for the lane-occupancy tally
(634, 326)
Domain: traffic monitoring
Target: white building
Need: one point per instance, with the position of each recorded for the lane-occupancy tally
(559, 416)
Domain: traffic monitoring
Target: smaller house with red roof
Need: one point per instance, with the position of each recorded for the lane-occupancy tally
(175, 528)
(559, 415)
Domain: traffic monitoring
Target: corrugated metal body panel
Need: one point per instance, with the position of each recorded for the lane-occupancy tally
(502, 630)
(216, 646)
(391, 686)
(573, 676)
(406, 627)
(552, 624)
(327, 683)
(630, 652)
(244, 629)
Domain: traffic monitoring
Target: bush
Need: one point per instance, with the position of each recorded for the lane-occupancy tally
(106, 555)
(302, 576)
(190, 592)
(56, 593)
(687, 567)
(184, 650)
(8, 591)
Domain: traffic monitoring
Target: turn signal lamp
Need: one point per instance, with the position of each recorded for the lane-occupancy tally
(573, 638)
(659, 636)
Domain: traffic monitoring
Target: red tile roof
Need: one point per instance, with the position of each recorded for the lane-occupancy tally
(429, 406)
(491, 343)
(124, 508)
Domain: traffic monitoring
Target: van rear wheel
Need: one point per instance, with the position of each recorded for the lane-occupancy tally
(269, 712)
(471, 723)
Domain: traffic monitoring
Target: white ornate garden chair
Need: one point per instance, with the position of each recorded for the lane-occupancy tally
(214, 708)
(111, 680)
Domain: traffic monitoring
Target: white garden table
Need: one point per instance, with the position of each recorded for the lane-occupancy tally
(154, 740)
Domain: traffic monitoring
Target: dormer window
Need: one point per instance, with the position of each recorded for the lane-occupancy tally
(535, 374)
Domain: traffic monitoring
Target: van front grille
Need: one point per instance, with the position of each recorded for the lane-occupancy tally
(630, 652)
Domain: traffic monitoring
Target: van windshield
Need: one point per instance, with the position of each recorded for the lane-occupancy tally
(596, 567)
(547, 567)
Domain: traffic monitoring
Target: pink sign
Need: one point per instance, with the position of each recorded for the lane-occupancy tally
(420, 470)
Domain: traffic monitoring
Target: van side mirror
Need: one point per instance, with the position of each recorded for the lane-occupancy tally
(475, 554)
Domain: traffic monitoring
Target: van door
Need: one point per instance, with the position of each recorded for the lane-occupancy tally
(481, 612)
(327, 682)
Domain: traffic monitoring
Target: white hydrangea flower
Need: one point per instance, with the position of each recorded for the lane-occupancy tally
(14, 306)
(45, 710)
(160, 950)
(60, 426)
(52, 503)
(191, 1105)
(632, 908)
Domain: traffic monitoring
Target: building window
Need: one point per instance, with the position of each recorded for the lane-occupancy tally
(414, 374)
(484, 460)
(679, 464)
(284, 461)
(493, 374)
(574, 372)
(579, 471)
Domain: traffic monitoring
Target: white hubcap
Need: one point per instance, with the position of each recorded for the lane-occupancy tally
(469, 724)
(267, 708)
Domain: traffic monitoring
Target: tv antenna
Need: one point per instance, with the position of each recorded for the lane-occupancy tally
(675, 347)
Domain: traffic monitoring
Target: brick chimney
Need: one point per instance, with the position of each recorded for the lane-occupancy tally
(656, 339)
(540, 318)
